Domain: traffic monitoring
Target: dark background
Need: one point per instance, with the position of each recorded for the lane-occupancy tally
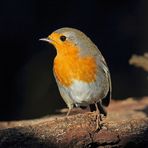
(28, 89)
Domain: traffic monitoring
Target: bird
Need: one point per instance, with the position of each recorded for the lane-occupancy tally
(80, 70)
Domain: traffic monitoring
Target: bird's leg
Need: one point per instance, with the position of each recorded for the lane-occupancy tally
(98, 126)
(70, 106)
(69, 109)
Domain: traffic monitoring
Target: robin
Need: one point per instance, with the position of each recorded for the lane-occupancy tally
(80, 70)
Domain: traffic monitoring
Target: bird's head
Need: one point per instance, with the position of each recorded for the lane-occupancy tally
(66, 40)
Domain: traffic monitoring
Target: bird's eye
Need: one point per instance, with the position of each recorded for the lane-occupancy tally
(63, 38)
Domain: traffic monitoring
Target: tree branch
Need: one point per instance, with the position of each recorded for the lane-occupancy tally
(140, 61)
(125, 125)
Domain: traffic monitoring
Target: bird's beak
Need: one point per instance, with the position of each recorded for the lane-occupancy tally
(46, 40)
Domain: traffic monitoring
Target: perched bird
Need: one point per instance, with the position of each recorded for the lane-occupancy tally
(80, 70)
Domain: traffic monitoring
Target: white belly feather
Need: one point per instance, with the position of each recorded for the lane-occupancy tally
(83, 93)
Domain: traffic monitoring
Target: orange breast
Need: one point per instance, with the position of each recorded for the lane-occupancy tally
(69, 68)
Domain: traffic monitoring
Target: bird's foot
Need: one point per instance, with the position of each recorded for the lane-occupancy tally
(98, 122)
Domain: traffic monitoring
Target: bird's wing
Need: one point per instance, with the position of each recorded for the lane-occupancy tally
(107, 99)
